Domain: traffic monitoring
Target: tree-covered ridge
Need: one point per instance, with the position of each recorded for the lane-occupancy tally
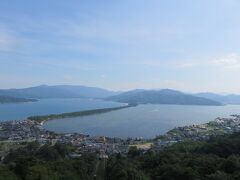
(58, 91)
(46, 162)
(165, 96)
(216, 159)
(10, 99)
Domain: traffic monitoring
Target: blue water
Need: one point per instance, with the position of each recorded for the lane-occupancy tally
(19, 111)
(142, 121)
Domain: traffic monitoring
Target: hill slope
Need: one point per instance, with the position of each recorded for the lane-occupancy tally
(9, 99)
(164, 96)
(216, 159)
(225, 99)
(59, 91)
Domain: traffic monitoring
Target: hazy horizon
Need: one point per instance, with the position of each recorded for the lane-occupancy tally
(118, 90)
(191, 46)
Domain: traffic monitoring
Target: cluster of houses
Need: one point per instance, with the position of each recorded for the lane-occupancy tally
(28, 130)
(229, 125)
(219, 126)
(19, 130)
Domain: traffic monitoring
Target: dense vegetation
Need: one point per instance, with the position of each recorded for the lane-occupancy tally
(76, 114)
(225, 99)
(217, 159)
(59, 91)
(161, 97)
(10, 99)
(46, 162)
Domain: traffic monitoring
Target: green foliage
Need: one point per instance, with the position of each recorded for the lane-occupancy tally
(217, 159)
(133, 152)
(47, 162)
(218, 175)
(121, 169)
(165, 96)
(6, 174)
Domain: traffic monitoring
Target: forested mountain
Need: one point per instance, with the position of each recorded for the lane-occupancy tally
(165, 96)
(9, 99)
(140, 96)
(225, 99)
(59, 91)
(216, 159)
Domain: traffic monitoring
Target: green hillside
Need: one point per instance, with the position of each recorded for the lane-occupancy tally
(165, 96)
(216, 159)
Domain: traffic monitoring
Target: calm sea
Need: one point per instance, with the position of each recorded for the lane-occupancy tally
(145, 121)
(142, 121)
(19, 111)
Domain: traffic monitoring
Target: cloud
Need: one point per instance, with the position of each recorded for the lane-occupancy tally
(186, 65)
(102, 30)
(103, 76)
(231, 61)
(142, 62)
(77, 64)
(174, 84)
(97, 28)
(7, 40)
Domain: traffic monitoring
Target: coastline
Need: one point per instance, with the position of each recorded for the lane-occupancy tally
(219, 126)
(199, 131)
(44, 118)
(31, 129)
(15, 132)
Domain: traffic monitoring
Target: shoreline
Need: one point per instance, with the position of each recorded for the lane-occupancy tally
(216, 127)
(204, 131)
(15, 132)
(195, 131)
(42, 119)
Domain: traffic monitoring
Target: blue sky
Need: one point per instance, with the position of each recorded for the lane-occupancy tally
(187, 45)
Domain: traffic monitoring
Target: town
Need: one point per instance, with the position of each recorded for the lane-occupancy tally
(20, 132)
(220, 126)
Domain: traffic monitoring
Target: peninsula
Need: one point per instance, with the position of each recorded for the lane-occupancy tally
(10, 99)
(164, 96)
(43, 118)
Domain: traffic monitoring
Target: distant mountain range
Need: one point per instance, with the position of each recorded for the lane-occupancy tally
(225, 99)
(59, 91)
(165, 96)
(9, 99)
(139, 96)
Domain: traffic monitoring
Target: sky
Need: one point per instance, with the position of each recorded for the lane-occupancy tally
(192, 46)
